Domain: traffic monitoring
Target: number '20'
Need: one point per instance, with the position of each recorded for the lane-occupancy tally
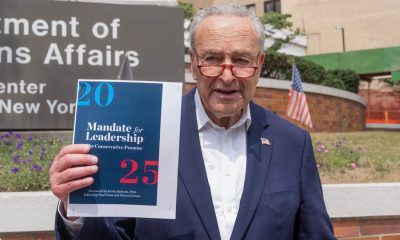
(84, 98)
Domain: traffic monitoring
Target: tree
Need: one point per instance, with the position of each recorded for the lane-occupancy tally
(277, 65)
(277, 20)
(310, 71)
(188, 9)
(350, 79)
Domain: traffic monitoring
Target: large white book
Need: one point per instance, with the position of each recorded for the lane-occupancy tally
(133, 128)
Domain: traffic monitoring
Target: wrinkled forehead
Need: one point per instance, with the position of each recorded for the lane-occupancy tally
(226, 33)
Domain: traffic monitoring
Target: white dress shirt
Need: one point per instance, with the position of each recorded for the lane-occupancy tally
(224, 154)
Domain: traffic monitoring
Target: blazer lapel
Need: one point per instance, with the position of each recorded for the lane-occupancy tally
(192, 169)
(258, 159)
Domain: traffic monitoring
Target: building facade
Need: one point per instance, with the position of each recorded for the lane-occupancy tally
(333, 25)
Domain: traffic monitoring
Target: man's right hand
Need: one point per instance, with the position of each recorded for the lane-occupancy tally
(71, 169)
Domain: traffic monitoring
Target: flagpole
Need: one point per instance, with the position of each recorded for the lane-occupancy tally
(293, 63)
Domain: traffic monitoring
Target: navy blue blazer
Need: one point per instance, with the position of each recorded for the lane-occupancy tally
(282, 196)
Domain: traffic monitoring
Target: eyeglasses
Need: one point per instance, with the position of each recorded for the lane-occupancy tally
(238, 71)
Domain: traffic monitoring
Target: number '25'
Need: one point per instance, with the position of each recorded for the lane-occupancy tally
(147, 172)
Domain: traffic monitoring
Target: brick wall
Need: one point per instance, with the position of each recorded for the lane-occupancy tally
(27, 236)
(327, 113)
(345, 229)
(367, 229)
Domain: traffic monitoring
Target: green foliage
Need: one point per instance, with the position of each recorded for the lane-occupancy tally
(278, 43)
(25, 162)
(337, 157)
(350, 79)
(297, 31)
(379, 159)
(188, 9)
(332, 81)
(277, 65)
(310, 72)
(277, 20)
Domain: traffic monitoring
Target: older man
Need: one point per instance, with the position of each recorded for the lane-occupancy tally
(244, 173)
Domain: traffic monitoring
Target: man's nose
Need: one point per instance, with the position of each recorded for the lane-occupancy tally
(227, 74)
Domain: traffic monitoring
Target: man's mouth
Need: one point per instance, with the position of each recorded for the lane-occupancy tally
(226, 93)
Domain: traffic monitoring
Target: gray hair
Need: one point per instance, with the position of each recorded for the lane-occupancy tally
(230, 10)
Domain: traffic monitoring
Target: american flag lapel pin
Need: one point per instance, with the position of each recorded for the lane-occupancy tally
(265, 141)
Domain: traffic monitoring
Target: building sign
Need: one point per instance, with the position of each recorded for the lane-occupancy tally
(46, 46)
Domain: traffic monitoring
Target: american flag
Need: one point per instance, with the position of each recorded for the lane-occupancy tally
(265, 141)
(297, 106)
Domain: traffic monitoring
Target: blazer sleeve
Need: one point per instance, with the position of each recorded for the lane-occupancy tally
(312, 219)
(98, 228)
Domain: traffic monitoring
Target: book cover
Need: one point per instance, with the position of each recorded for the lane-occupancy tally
(133, 128)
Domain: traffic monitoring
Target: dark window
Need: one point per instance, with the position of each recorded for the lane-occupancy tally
(268, 6)
(272, 6)
(277, 6)
(251, 7)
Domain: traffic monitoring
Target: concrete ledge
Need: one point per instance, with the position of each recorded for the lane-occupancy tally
(34, 211)
(27, 211)
(362, 200)
(383, 126)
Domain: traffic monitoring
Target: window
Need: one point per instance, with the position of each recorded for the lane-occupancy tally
(272, 6)
(251, 7)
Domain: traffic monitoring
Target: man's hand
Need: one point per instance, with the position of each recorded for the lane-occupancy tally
(71, 169)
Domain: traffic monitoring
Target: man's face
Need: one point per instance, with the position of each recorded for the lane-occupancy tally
(226, 40)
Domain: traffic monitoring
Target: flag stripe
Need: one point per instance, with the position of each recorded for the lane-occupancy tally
(293, 102)
(297, 107)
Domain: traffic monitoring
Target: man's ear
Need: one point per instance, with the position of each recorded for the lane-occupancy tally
(191, 54)
(261, 63)
(192, 63)
(262, 58)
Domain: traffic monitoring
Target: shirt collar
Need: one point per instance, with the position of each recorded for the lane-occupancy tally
(203, 119)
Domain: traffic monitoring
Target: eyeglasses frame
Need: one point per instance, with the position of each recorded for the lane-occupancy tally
(224, 66)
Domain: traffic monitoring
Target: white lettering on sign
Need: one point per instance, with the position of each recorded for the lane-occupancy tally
(69, 53)
(39, 27)
(79, 55)
(17, 107)
(22, 88)
(21, 55)
(100, 30)
(61, 108)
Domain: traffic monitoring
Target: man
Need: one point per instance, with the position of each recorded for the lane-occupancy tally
(244, 173)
